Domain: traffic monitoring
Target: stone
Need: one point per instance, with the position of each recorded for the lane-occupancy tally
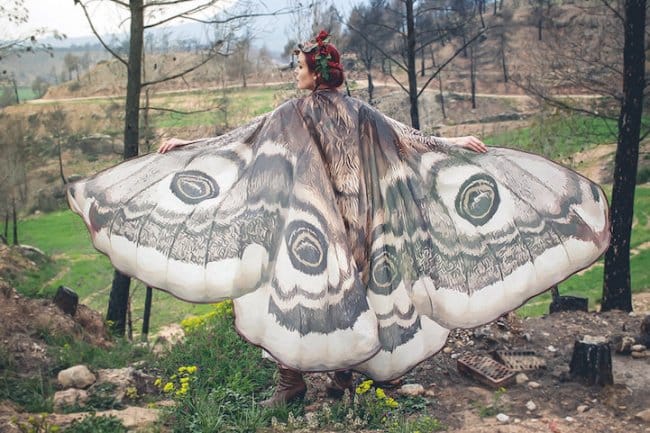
(531, 406)
(639, 355)
(69, 397)
(644, 336)
(521, 378)
(503, 418)
(534, 385)
(638, 348)
(77, 376)
(582, 408)
(622, 343)
(569, 419)
(167, 337)
(644, 415)
(411, 389)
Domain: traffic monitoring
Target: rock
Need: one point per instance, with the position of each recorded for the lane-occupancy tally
(582, 408)
(167, 337)
(503, 418)
(430, 393)
(69, 397)
(639, 355)
(569, 419)
(644, 337)
(521, 378)
(531, 406)
(411, 389)
(133, 418)
(622, 343)
(638, 348)
(551, 349)
(76, 377)
(534, 385)
(120, 379)
(644, 416)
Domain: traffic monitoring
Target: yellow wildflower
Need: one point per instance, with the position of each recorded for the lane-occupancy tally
(364, 386)
(169, 387)
(191, 369)
(390, 402)
(380, 393)
(158, 382)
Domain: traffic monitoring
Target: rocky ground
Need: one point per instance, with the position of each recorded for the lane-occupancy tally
(543, 399)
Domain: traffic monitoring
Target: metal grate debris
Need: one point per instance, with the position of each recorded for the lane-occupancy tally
(485, 369)
(519, 360)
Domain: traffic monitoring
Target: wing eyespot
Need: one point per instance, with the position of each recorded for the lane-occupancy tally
(478, 199)
(193, 186)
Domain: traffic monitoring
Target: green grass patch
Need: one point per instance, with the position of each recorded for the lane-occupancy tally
(233, 106)
(26, 94)
(558, 136)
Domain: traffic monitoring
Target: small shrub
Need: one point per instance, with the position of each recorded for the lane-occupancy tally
(97, 424)
(37, 424)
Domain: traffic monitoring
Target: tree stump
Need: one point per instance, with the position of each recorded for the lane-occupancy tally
(67, 300)
(566, 303)
(591, 362)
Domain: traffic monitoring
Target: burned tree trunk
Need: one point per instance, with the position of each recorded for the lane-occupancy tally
(591, 362)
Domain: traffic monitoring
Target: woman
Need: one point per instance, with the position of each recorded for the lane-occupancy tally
(346, 239)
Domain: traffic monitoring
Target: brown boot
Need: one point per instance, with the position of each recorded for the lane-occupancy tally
(338, 383)
(291, 386)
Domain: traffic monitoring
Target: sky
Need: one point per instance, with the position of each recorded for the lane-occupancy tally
(66, 17)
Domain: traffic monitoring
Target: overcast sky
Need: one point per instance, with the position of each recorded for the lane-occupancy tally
(64, 17)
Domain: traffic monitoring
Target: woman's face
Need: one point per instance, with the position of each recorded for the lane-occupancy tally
(306, 80)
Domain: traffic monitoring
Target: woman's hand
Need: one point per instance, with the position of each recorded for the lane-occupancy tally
(469, 142)
(172, 143)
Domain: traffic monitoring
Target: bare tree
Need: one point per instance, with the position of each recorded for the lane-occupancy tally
(369, 32)
(143, 16)
(409, 40)
(56, 125)
(617, 291)
(13, 170)
(600, 50)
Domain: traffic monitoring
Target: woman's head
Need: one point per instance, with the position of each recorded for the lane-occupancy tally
(319, 64)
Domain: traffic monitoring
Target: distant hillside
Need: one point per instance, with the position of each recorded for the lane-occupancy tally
(514, 33)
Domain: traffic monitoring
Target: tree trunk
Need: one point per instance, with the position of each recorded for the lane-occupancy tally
(15, 220)
(441, 94)
(617, 291)
(411, 66)
(6, 228)
(65, 181)
(504, 67)
(147, 313)
(119, 297)
(540, 23)
(371, 86)
(472, 73)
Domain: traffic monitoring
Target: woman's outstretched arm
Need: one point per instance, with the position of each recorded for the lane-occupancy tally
(173, 143)
(468, 142)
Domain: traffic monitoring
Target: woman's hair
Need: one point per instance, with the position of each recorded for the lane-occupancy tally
(324, 59)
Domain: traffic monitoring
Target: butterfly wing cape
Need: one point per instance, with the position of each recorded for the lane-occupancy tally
(346, 239)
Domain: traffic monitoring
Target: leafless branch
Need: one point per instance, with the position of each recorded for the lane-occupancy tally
(452, 57)
(96, 33)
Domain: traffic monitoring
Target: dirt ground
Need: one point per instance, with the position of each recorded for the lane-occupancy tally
(561, 405)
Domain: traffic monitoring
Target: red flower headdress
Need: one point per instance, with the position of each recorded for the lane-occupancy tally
(322, 58)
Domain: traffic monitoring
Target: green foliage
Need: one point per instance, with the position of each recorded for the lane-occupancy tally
(31, 393)
(229, 378)
(37, 424)
(97, 424)
(495, 407)
(420, 424)
(103, 397)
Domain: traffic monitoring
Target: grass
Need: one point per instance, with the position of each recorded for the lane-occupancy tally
(558, 136)
(241, 104)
